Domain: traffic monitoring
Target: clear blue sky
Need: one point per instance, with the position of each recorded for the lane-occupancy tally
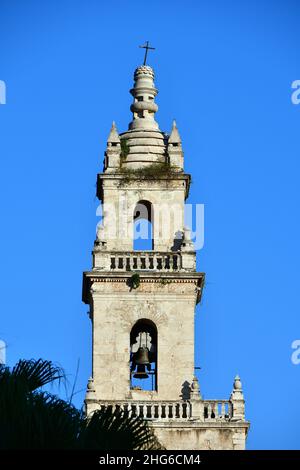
(224, 71)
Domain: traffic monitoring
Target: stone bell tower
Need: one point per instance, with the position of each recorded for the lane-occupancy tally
(142, 302)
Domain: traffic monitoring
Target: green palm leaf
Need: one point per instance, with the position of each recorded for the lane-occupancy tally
(34, 419)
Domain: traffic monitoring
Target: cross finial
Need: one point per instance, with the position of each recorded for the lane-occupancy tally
(147, 47)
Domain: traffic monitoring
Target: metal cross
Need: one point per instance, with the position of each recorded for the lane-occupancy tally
(147, 47)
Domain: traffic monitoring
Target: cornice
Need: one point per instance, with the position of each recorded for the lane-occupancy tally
(91, 277)
(118, 177)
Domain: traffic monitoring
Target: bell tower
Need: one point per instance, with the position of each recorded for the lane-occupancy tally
(142, 301)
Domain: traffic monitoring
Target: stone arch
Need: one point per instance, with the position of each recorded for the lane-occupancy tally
(135, 313)
(143, 355)
(143, 229)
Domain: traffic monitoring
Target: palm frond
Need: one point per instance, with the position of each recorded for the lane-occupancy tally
(54, 422)
(37, 373)
(108, 430)
(34, 419)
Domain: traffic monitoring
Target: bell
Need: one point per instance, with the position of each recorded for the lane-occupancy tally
(142, 356)
(141, 372)
(141, 360)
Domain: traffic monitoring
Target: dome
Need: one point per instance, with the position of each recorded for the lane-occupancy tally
(144, 147)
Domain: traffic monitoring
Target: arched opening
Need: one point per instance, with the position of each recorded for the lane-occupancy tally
(143, 226)
(143, 355)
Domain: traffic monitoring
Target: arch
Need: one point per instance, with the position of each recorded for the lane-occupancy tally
(143, 226)
(143, 355)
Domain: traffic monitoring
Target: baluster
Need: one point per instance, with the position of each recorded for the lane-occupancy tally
(168, 262)
(159, 410)
(171, 263)
(223, 411)
(129, 410)
(139, 261)
(159, 263)
(154, 261)
(216, 410)
(180, 410)
(129, 262)
(143, 411)
(209, 410)
(173, 410)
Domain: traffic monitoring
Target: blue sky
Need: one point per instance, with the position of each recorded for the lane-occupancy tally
(224, 70)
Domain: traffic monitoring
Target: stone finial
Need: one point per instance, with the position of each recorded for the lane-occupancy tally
(237, 392)
(113, 150)
(143, 70)
(237, 400)
(237, 384)
(196, 399)
(144, 107)
(174, 136)
(113, 137)
(195, 390)
(174, 149)
(90, 388)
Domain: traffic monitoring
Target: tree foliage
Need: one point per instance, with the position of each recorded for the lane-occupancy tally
(31, 418)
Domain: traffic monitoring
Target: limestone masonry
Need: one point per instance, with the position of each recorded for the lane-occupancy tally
(142, 302)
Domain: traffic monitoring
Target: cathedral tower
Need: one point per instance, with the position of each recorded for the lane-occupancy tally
(142, 301)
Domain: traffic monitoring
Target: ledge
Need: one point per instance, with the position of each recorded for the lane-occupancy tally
(89, 277)
(119, 176)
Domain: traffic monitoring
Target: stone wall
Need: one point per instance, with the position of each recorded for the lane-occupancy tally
(196, 436)
(167, 198)
(116, 308)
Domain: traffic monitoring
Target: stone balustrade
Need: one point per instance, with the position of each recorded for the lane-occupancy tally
(143, 261)
(153, 409)
(217, 410)
(212, 410)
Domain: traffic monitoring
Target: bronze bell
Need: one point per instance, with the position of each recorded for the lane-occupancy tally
(141, 372)
(142, 356)
(141, 359)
